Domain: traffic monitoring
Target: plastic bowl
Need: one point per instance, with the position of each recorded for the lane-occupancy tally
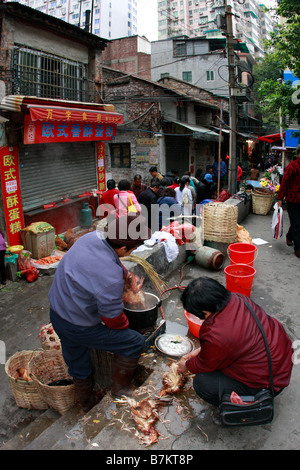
(16, 249)
(194, 323)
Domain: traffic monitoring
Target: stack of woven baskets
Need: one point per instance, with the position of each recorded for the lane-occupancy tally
(33, 376)
(220, 222)
(262, 201)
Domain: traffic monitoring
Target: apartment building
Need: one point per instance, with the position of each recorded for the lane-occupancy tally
(104, 18)
(252, 24)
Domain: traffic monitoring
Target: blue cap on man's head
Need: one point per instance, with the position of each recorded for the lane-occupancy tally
(208, 177)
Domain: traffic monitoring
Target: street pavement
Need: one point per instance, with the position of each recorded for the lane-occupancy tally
(24, 308)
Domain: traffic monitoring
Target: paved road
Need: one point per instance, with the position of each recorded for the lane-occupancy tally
(24, 308)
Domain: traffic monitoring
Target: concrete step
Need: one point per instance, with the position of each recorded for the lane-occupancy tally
(109, 425)
(32, 431)
(59, 428)
(85, 428)
(175, 417)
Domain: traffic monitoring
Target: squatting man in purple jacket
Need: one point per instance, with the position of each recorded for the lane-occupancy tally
(86, 307)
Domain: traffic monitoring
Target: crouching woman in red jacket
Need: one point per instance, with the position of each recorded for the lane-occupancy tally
(232, 351)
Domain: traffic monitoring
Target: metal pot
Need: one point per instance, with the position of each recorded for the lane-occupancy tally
(139, 319)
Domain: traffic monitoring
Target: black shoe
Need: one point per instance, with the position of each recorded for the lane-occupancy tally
(297, 253)
(289, 242)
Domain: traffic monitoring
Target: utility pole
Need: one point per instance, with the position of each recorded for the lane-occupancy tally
(232, 167)
(220, 151)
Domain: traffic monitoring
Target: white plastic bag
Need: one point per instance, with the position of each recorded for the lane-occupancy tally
(169, 241)
(277, 222)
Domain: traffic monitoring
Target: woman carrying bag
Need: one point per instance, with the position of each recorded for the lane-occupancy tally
(125, 201)
(184, 196)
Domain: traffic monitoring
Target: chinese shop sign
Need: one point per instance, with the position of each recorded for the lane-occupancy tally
(100, 150)
(11, 194)
(44, 113)
(41, 132)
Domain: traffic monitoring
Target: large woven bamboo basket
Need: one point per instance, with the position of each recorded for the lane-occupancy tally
(25, 392)
(220, 222)
(262, 201)
(47, 367)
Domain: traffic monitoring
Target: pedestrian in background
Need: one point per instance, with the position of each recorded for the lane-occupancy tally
(239, 175)
(107, 198)
(184, 196)
(223, 171)
(168, 207)
(175, 183)
(290, 191)
(148, 199)
(122, 199)
(137, 186)
(254, 173)
(155, 174)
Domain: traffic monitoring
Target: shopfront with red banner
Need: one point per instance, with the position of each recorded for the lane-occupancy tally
(56, 165)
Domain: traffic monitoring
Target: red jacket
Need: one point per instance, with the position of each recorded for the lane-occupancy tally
(290, 184)
(108, 196)
(239, 173)
(231, 342)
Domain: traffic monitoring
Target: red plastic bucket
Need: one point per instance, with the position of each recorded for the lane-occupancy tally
(239, 278)
(242, 253)
(194, 323)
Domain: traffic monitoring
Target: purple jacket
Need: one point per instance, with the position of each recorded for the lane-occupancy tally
(2, 242)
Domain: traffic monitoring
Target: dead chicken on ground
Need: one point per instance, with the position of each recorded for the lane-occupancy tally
(173, 381)
(145, 415)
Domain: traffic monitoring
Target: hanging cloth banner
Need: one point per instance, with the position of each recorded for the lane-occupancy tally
(46, 113)
(41, 132)
(10, 182)
(100, 155)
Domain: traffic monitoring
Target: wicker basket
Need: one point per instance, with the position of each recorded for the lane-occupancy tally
(262, 201)
(220, 222)
(47, 367)
(49, 338)
(25, 392)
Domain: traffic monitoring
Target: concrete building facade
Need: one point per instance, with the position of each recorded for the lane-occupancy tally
(108, 19)
(252, 23)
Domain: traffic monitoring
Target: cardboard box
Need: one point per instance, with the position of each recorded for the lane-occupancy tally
(40, 244)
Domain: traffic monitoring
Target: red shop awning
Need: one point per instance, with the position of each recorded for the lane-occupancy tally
(52, 113)
(271, 138)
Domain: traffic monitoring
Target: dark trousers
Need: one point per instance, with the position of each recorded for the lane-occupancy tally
(209, 385)
(2, 267)
(76, 342)
(294, 230)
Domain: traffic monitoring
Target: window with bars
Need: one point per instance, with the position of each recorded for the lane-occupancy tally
(47, 76)
(120, 155)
